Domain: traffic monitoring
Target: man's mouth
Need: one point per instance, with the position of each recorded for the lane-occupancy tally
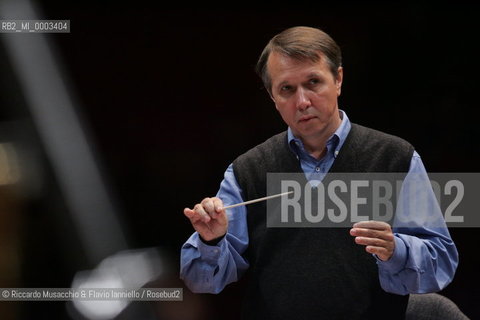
(306, 118)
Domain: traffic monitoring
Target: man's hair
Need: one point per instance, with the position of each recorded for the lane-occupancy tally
(302, 43)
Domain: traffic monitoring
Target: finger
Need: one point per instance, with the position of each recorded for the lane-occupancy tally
(188, 212)
(192, 215)
(201, 211)
(218, 204)
(372, 224)
(373, 242)
(208, 205)
(372, 233)
(381, 253)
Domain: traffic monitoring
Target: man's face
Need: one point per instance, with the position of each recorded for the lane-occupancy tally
(305, 93)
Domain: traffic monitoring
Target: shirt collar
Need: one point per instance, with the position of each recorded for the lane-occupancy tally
(335, 142)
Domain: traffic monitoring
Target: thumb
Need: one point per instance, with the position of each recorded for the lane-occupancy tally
(188, 212)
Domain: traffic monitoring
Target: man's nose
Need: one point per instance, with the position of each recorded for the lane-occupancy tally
(303, 101)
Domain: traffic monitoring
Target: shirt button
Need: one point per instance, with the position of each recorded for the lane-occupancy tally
(216, 250)
(317, 169)
(336, 153)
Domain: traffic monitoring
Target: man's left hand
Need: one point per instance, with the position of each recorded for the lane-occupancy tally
(377, 236)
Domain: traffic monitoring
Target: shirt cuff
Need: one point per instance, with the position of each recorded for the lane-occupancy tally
(212, 242)
(211, 253)
(397, 261)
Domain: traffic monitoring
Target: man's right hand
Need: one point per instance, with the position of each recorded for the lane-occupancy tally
(208, 218)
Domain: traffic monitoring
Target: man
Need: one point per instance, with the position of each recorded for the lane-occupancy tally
(365, 272)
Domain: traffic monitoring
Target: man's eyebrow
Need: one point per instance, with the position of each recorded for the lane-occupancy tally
(310, 75)
(313, 74)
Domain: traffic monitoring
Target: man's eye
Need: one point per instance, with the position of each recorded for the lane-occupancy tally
(286, 88)
(313, 81)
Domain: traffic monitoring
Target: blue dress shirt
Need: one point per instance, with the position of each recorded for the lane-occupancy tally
(424, 260)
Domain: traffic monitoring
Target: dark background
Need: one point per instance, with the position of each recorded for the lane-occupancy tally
(171, 99)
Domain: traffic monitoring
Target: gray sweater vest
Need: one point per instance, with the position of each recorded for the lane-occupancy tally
(315, 273)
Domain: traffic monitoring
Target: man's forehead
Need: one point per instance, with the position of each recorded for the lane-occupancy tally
(298, 60)
(280, 66)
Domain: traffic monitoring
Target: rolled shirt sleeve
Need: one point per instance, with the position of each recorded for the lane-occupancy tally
(208, 269)
(425, 257)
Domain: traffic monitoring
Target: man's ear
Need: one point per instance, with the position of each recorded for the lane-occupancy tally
(339, 80)
(273, 99)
